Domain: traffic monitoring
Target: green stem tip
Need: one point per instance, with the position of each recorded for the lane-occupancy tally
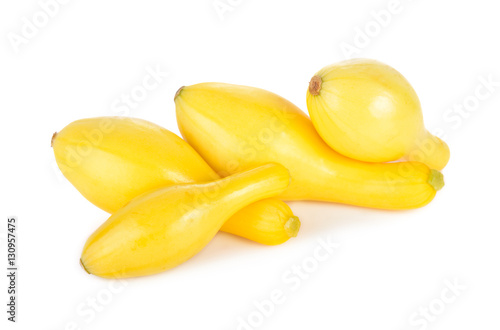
(436, 180)
(292, 226)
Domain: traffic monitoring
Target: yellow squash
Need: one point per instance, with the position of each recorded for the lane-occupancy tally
(165, 227)
(238, 127)
(368, 111)
(111, 160)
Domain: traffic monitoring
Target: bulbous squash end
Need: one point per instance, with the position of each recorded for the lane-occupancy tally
(53, 139)
(178, 92)
(292, 226)
(315, 85)
(436, 180)
(83, 266)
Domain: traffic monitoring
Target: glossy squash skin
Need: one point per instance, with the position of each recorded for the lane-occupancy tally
(112, 160)
(366, 110)
(163, 228)
(238, 127)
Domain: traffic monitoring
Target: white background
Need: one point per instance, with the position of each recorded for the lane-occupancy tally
(388, 265)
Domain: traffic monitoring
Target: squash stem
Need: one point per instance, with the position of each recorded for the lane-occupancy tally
(315, 85)
(53, 138)
(292, 226)
(83, 266)
(436, 180)
(178, 92)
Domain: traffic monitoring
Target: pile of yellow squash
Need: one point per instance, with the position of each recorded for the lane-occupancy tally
(245, 150)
